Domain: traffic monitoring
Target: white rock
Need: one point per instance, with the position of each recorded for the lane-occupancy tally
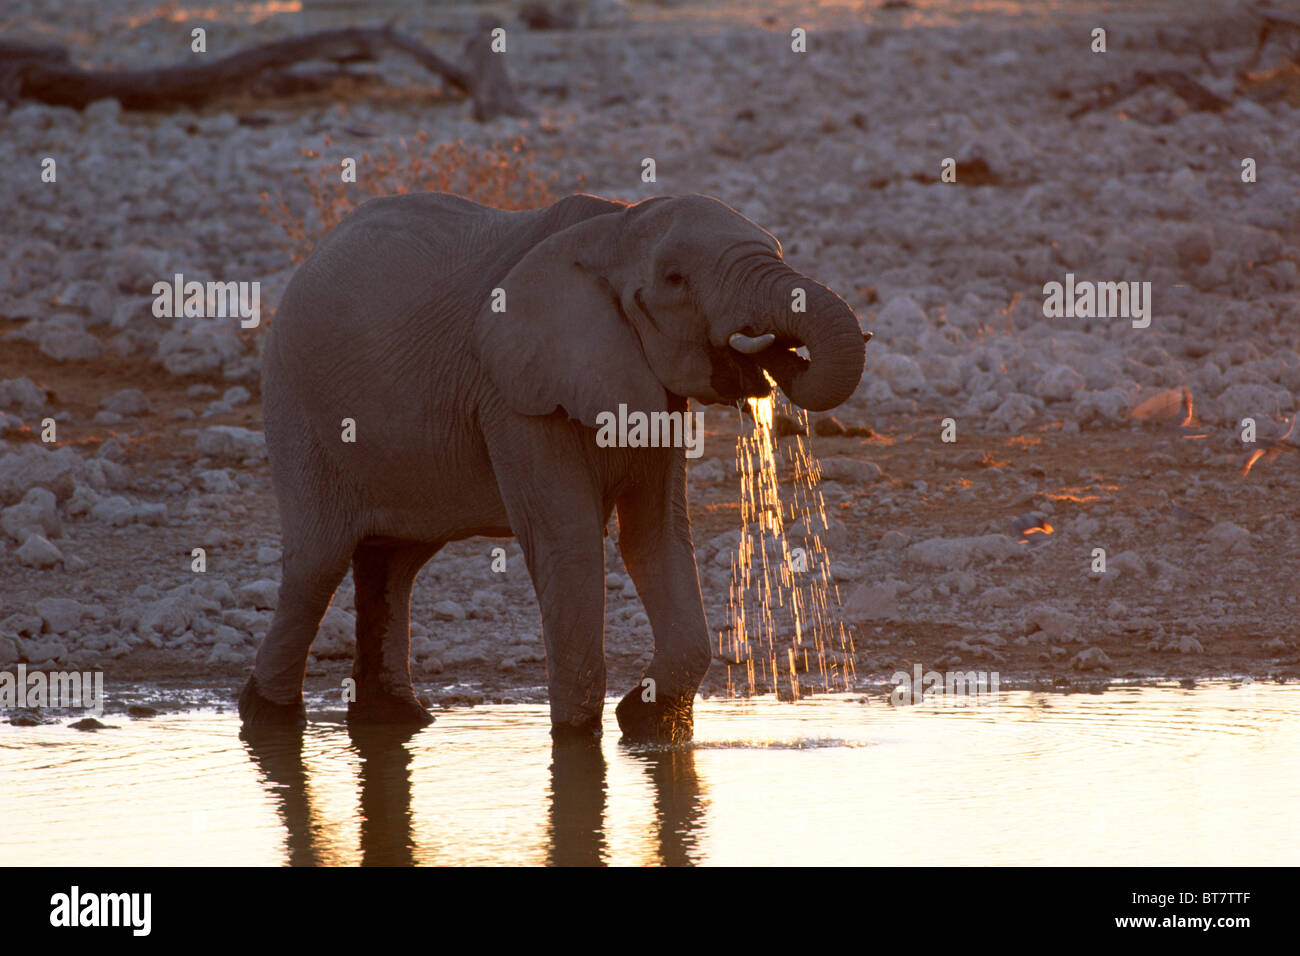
(489, 604)
(1090, 659)
(37, 513)
(67, 345)
(228, 654)
(217, 481)
(195, 351)
(1129, 562)
(1259, 402)
(951, 554)
(151, 512)
(1109, 406)
(337, 635)
(998, 597)
(1228, 538)
(37, 552)
(24, 395)
(901, 373)
(894, 541)
(262, 595)
(116, 511)
(832, 532)
(129, 402)
(710, 470)
(850, 470)
(873, 602)
(1059, 383)
(172, 614)
(44, 649)
(902, 313)
(22, 625)
(35, 465)
(59, 614)
(448, 611)
(81, 501)
(1057, 625)
(214, 590)
(231, 441)
(1016, 413)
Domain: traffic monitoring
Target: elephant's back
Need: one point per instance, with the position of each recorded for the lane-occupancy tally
(415, 265)
(379, 317)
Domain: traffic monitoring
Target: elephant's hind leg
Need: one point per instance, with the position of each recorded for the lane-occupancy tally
(273, 694)
(384, 572)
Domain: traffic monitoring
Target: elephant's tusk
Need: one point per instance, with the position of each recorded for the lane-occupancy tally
(750, 345)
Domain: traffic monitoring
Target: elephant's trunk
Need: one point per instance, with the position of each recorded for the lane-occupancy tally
(827, 328)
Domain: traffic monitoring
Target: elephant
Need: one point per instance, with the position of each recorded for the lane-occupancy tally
(474, 351)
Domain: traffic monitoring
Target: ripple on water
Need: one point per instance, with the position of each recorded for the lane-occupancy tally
(1134, 775)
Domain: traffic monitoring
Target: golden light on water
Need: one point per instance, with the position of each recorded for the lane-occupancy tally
(482, 786)
(783, 602)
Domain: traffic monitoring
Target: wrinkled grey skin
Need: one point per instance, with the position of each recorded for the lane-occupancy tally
(474, 422)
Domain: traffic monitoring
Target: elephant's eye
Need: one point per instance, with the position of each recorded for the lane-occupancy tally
(675, 278)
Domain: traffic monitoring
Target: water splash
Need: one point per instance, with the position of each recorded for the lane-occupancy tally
(782, 609)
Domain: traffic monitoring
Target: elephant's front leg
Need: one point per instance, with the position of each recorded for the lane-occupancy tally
(557, 512)
(655, 540)
(568, 571)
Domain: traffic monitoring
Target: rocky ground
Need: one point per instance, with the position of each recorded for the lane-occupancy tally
(1074, 423)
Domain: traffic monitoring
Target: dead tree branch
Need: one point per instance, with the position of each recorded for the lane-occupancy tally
(47, 75)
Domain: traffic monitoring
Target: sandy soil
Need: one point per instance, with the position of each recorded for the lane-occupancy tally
(1200, 579)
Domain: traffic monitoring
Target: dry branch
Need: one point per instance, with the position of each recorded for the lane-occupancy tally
(45, 74)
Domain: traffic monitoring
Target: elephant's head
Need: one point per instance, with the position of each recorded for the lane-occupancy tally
(677, 294)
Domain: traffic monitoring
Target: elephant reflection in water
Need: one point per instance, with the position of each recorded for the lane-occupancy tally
(578, 803)
(578, 791)
(385, 785)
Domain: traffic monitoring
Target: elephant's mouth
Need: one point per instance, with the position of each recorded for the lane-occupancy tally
(737, 375)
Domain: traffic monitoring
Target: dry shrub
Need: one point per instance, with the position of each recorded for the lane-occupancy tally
(1280, 83)
(500, 176)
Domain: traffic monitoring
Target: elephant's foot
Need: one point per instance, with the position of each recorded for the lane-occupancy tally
(259, 712)
(585, 727)
(668, 720)
(375, 705)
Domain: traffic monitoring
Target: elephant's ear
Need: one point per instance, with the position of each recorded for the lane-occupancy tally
(553, 333)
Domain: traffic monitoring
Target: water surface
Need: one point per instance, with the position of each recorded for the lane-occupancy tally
(1152, 775)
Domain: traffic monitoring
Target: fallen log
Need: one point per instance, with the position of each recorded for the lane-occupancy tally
(1197, 97)
(46, 74)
